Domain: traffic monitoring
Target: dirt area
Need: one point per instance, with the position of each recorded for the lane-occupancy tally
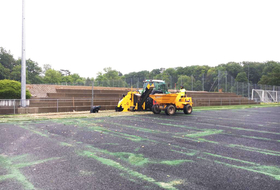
(60, 115)
(112, 113)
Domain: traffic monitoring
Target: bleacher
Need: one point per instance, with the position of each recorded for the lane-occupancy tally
(48, 98)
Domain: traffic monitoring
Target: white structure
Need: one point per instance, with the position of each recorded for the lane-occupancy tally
(265, 95)
(23, 62)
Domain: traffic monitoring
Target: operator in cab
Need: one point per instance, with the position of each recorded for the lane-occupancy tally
(182, 89)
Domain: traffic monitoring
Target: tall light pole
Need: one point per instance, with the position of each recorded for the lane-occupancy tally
(248, 83)
(23, 62)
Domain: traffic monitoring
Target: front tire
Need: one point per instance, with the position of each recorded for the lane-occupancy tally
(119, 109)
(170, 110)
(187, 109)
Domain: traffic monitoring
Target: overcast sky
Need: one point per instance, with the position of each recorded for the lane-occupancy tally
(86, 36)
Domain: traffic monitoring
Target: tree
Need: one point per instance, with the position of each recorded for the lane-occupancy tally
(233, 68)
(210, 80)
(16, 73)
(6, 59)
(67, 79)
(76, 77)
(269, 66)
(197, 85)
(65, 72)
(110, 78)
(171, 77)
(10, 89)
(153, 73)
(7, 62)
(52, 77)
(272, 77)
(111, 74)
(88, 81)
(241, 77)
(80, 81)
(185, 81)
(46, 67)
(255, 71)
(4, 72)
(33, 72)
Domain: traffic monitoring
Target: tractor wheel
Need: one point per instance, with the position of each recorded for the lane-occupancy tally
(170, 110)
(187, 109)
(149, 104)
(119, 109)
(155, 109)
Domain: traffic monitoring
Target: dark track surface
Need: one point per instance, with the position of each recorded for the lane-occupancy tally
(224, 149)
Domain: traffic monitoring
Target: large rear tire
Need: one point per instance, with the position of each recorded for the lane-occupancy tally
(187, 109)
(155, 109)
(170, 110)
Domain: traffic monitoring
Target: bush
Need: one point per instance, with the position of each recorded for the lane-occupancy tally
(10, 89)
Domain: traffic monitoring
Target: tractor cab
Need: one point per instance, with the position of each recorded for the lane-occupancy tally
(159, 86)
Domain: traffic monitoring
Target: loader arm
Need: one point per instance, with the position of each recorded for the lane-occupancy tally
(144, 96)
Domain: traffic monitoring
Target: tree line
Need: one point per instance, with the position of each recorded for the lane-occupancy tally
(10, 68)
(193, 77)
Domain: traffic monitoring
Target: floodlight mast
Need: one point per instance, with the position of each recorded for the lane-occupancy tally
(23, 62)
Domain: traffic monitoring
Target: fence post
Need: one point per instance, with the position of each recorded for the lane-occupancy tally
(226, 82)
(92, 93)
(14, 106)
(203, 82)
(192, 83)
(218, 80)
(56, 105)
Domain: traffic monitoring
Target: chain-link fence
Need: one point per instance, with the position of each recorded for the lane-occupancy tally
(43, 105)
(220, 82)
(216, 81)
(226, 83)
(73, 105)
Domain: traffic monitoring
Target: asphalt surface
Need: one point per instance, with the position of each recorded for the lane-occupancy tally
(223, 149)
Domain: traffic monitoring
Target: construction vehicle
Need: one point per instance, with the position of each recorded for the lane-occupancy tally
(171, 102)
(140, 100)
(159, 86)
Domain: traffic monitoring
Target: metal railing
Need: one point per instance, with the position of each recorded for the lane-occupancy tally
(69, 105)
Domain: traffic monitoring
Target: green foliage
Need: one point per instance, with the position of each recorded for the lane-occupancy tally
(233, 68)
(16, 73)
(52, 77)
(4, 72)
(241, 77)
(6, 59)
(110, 77)
(185, 81)
(67, 79)
(272, 77)
(88, 81)
(206, 76)
(10, 89)
(33, 72)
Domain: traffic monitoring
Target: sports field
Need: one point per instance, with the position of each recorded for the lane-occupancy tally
(209, 149)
